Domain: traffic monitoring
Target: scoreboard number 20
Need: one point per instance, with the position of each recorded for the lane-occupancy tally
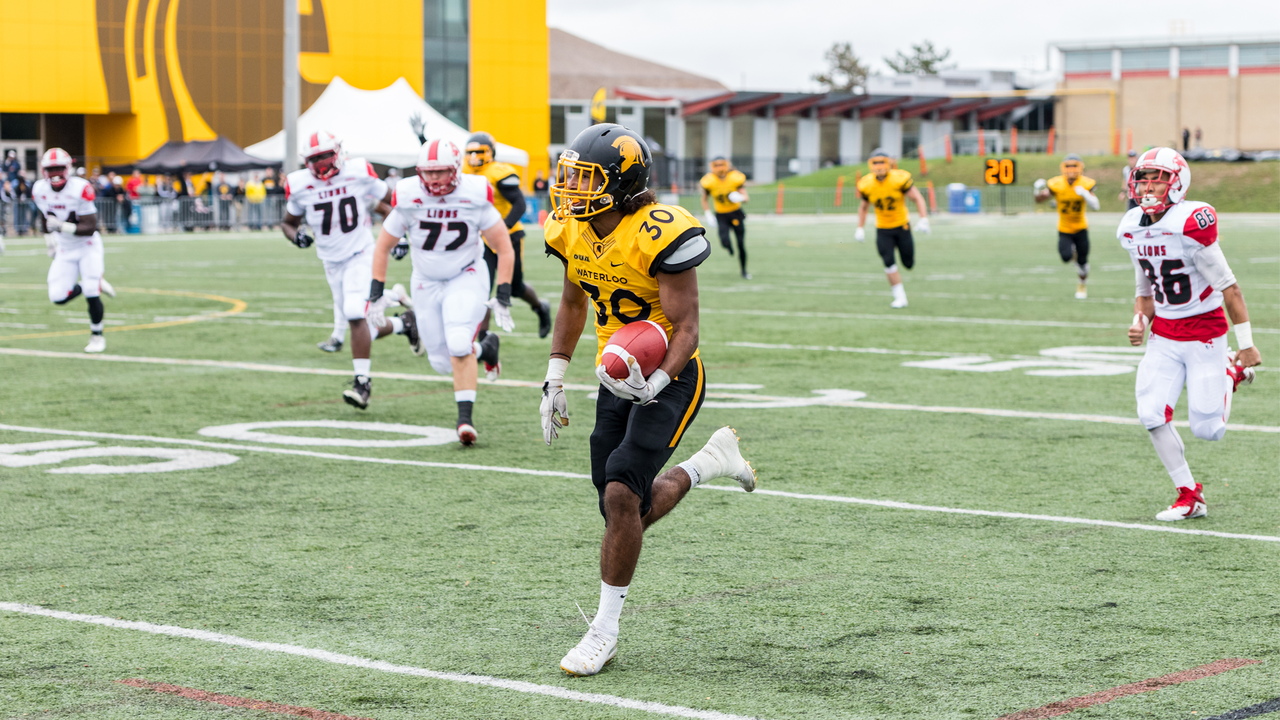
(1001, 171)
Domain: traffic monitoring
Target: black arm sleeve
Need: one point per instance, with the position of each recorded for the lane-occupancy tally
(513, 195)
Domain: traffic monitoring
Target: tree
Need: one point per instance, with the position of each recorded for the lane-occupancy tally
(845, 72)
(923, 60)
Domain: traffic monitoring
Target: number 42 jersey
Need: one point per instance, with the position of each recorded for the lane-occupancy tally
(1164, 255)
(337, 209)
(443, 230)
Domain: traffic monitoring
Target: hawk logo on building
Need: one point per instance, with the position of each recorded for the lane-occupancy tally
(630, 151)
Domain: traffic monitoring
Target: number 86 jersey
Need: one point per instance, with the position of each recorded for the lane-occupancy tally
(443, 230)
(337, 209)
(1165, 256)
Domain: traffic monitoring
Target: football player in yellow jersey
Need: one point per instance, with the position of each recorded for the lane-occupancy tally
(1071, 191)
(628, 259)
(887, 188)
(723, 186)
(509, 200)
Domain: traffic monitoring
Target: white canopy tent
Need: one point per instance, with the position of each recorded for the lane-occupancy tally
(374, 124)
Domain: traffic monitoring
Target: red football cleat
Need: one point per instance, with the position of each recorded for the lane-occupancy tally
(1190, 504)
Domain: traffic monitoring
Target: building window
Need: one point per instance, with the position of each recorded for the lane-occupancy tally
(19, 126)
(1259, 55)
(1203, 57)
(1144, 59)
(1087, 61)
(557, 125)
(446, 58)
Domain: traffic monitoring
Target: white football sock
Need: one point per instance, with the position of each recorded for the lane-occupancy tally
(1082, 269)
(1172, 453)
(476, 349)
(362, 366)
(691, 467)
(95, 327)
(611, 599)
(397, 325)
(899, 292)
(464, 395)
(339, 323)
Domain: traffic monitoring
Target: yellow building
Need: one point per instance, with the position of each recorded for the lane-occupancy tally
(121, 77)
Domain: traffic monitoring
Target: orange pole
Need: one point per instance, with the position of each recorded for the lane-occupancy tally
(924, 168)
(1013, 141)
(857, 177)
(780, 192)
(839, 190)
(675, 189)
(933, 203)
(946, 140)
(982, 143)
(1115, 142)
(1052, 136)
(1129, 139)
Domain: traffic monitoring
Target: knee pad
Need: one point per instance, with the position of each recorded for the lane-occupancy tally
(440, 363)
(353, 307)
(459, 340)
(59, 297)
(1153, 417)
(891, 269)
(1211, 429)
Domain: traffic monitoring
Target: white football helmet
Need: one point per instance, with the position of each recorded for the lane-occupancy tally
(56, 167)
(438, 155)
(323, 155)
(1168, 167)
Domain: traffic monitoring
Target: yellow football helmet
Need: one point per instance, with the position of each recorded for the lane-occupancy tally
(1072, 167)
(880, 163)
(480, 149)
(720, 167)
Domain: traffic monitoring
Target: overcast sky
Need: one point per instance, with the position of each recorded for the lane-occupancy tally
(778, 44)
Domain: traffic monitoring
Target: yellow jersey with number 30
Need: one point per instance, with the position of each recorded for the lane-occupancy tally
(888, 196)
(619, 273)
(1071, 218)
(719, 188)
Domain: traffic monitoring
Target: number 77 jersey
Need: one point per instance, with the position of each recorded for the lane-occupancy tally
(1164, 254)
(443, 230)
(337, 209)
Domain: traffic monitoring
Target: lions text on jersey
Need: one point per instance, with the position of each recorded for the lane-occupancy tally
(73, 201)
(443, 230)
(337, 209)
(1164, 254)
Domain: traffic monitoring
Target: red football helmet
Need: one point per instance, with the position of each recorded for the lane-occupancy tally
(324, 155)
(55, 166)
(1161, 165)
(437, 155)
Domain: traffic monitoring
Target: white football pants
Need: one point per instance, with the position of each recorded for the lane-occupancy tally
(449, 313)
(83, 264)
(349, 280)
(1202, 367)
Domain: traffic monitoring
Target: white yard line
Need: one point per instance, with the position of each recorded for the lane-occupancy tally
(935, 319)
(580, 476)
(378, 665)
(743, 397)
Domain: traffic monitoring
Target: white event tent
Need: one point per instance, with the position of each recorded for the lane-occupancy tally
(374, 125)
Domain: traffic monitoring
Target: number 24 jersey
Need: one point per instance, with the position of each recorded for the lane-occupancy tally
(443, 230)
(337, 209)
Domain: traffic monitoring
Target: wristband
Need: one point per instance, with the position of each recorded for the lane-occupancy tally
(1244, 336)
(1139, 320)
(504, 294)
(375, 289)
(67, 228)
(556, 368)
(659, 380)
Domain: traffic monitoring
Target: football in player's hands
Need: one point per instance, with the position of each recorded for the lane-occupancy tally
(643, 342)
(1040, 184)
(736, 197)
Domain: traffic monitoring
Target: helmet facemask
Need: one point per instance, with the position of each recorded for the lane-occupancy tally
(325, 165)
(720, 167)
(57, 176)
(438, 180)
(479, 154)
(1150, 189)
(578, 188)
(880, 166)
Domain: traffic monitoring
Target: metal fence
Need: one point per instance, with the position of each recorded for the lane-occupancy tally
(159, 215)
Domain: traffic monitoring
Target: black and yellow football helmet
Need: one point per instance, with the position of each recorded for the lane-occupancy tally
(602, 168)
(480, 149)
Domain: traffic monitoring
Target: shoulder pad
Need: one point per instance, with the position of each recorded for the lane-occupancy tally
(1201, 224)
(661, 230)
(87, 192)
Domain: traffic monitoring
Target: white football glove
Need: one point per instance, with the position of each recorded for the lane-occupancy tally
(1040, 184)
(553, 400)
(860, 235)
(736, 197)
(710, 216)
(51, 244)
(635, 388)
(923, 226)
(375, 311)
(501, 315)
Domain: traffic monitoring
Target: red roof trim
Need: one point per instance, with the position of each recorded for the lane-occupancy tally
(883, 107)
(698, 106)
(797, 106)
(998, 110)
(839, 108)
(963, 109)
(750, 106)
(925, 109)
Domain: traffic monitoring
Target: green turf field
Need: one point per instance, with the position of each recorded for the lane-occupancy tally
(764, 605)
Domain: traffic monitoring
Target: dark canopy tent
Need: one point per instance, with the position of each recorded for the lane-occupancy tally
(198, 156)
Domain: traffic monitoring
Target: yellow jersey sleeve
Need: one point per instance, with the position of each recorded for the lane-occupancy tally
(708, 181)
(902, 179)
(557, 237)
(1088, 183)
(659, 231)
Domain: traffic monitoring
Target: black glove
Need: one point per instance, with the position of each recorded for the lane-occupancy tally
(375, 290)
(503, 294)
(303, 238)
(400, 250)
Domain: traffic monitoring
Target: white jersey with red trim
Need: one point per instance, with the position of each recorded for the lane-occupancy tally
(73, 201)
(337, 209)
(443, 230)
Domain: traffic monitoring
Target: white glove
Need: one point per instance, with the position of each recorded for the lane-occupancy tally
(375, 311)
(1040, 184)
(923, 226)
(553, 400)
(51, 244)
(710, 216)
(736, 197)
(860, 235)
(635, 388)
(501, 315)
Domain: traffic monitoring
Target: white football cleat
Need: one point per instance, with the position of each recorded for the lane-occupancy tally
(899, 303)
(467, 435)
(722, 449)
(1190, 504)
(591, 654)
(97, 344)
(106, 288)
(405, 300)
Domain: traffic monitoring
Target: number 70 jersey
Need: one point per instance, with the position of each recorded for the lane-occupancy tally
(443, 230)
(1164, 253)
(337, 209)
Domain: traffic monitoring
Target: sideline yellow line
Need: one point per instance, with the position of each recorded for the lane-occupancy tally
(237, 306)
